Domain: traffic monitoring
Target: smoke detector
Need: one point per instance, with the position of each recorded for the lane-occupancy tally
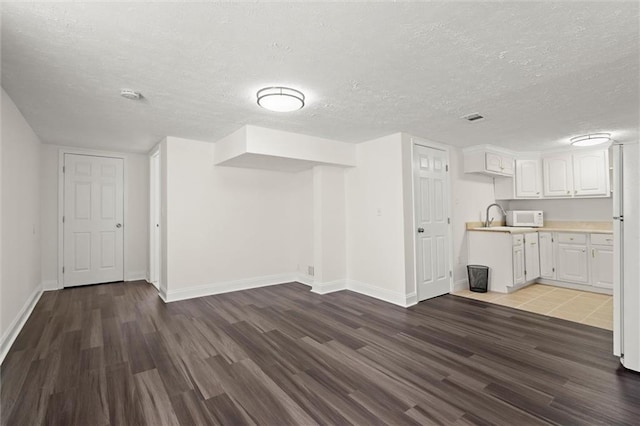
(130, 94)
(473, 117)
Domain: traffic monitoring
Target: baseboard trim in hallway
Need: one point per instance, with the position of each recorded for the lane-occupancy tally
(18, 323)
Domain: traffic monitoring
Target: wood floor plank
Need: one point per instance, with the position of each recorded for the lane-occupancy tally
(117, 355)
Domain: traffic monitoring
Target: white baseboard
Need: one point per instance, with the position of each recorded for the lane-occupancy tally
(227, 286)
(329, 287)
(135, 276)
(163, 295)
(397, 298)
(305, 279)
(411, 299)
(18, 322)
(575, 286)
(50, 285)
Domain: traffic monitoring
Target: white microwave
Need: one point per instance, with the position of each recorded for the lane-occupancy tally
(529, 218)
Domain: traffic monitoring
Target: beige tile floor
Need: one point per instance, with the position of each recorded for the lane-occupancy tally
(573, 305)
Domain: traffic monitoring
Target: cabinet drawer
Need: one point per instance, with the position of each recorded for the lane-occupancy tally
(518, 240)
(602, 239)
(572, 238)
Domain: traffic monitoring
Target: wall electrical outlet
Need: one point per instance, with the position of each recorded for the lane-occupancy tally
(310, 270)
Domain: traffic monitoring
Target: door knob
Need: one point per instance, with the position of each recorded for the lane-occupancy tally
(420, 230)
(118, 225)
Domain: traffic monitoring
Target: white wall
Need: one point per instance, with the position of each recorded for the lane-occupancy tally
(329, 217)
(20, 265)
(223, 224)
(301, 205)
(593, 209)
(375, 219)
(136, 241)
(471, 194)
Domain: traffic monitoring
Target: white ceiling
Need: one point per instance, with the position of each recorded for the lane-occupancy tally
(539, 71)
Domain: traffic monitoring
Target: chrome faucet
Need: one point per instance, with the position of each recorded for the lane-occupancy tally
(487, 222)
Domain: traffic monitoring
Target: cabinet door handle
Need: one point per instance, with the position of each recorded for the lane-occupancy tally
(568, 192)
(593, 253)
(575, 191)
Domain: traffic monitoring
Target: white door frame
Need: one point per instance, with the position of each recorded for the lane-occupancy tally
(447, 150)
(155, 194)
(79, 151)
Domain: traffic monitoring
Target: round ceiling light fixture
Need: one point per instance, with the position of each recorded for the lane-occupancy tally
(590, 140)
(130, 94)
(280, 99)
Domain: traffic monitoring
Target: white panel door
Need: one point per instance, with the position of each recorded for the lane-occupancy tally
(93, 220)
(572, 263)
(557, 176)
(590, 173)
(547, 267)
(432, 222)
(602, 266)
(531, 256)
(528, 178)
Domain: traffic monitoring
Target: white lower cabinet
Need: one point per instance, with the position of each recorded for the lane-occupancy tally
(601, 260)
(572, 263)
(561, 258)
(518, 264)
(547, 258)
(531, 257)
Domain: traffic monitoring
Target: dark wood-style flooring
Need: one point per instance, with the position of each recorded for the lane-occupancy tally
(117, 355)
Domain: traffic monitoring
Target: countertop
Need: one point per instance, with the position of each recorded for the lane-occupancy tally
(520, 230)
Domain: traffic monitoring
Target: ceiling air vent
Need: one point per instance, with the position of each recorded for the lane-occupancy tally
(473, 117)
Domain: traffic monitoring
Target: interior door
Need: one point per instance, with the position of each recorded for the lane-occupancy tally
(93, 220)
(432, 222)
(154, 222)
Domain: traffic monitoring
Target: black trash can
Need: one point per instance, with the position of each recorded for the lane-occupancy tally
(478, 278)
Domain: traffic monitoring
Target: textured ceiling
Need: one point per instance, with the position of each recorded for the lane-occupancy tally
(539, 71)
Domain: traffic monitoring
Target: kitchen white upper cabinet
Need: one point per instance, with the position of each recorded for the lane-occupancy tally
(528, 179)
(547, 259)
(558, 176)
(518, 264)
(531, 256)
(572, 263)
(488, 161)
(590, 173)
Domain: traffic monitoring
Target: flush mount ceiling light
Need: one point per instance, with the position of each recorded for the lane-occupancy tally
(280, 99)
(130, 94)
(590, 140)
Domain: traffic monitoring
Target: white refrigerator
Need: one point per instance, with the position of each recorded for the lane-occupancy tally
(626, 231)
